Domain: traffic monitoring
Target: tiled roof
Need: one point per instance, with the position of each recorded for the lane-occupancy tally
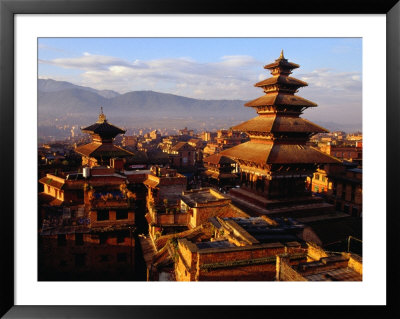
(204, 231)
(279, 124)
(103, 128)
(181, 145)
(217, 159)
(280, 99)
(281, 80)
(278, 154)
(87, 149)
(283, 63)
(337, 274)
(96, 149)
(51, 182)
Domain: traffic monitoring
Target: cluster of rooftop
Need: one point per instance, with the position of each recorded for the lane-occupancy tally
(258, 231)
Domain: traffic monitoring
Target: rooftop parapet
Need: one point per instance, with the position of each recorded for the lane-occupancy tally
(203, 197)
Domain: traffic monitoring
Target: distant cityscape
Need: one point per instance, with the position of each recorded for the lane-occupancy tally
(65, 107)
(251, 192)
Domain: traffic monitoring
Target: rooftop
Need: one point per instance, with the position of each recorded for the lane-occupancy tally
(96, 149)
(196, 197)
(277, 154)
(282, 62)
(281, 80)
(332, 268)
(103, 128)
(280, 99)
(267, 230)
(215, 244)
(279, 124)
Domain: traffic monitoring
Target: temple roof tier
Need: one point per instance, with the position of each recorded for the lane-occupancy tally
(279, 124)
(102, 128)
(96, 149)
(286, 80)
(283, 63)
(218, 159)
(280, 99)
(261, 154)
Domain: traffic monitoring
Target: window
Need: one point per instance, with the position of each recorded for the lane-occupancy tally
(103, 215)
(48, 189)
(122, 214)
(120, 238)
(316, 176)
(61, 240)
(63, 263)
(316, 189)
(323, 179)
(103, 258)
(103, 238)
(80, 260)
(121, 257)
(79, 239)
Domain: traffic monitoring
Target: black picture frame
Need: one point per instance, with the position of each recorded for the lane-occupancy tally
(8, 10)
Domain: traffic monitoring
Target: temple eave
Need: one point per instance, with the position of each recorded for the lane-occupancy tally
(261, 154)
(95, 149)
(281, 80)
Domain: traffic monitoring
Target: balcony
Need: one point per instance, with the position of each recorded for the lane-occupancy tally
(109, 204)
(171, 216)
(109, 200)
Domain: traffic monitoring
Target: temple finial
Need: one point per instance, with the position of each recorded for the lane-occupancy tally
(102, 117)
(281, 56)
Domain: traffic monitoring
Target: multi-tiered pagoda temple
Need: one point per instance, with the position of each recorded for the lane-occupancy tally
(276, 162)
(101, 149)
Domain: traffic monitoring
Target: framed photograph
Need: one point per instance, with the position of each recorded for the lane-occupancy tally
(206, 52)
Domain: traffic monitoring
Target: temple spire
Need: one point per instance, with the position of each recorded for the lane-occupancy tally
(281, 56)
(102, 117)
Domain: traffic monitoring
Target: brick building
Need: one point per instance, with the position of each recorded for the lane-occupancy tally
(164, 187)
(320, 266)
(341, 185)
(243, 249)
(182, 155)
(221, 170)
(87, 219)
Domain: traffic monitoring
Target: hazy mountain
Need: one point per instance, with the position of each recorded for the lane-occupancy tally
(49, 85)
(346, 127)
(64, 103)
(76, 104)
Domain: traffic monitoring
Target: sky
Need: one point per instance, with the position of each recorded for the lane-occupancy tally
(211, 68)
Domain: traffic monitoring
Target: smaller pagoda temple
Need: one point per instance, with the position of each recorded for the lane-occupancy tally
(101, 150)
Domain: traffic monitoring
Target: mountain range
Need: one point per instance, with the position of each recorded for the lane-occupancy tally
(66, 101)
(70, 104)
